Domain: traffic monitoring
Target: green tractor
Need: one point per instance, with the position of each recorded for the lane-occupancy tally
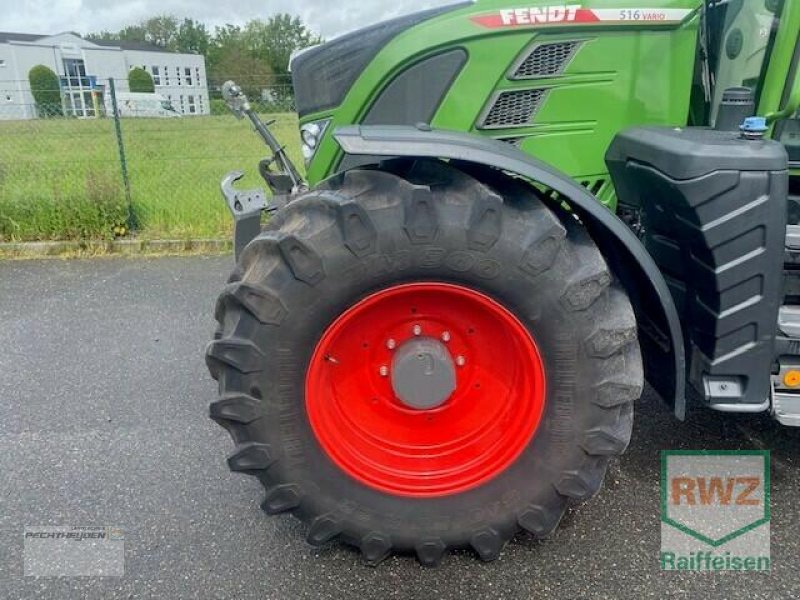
(514, 214)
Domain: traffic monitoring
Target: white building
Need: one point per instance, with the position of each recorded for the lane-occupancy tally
(85, 67)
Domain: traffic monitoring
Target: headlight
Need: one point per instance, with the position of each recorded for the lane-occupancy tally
(311, 135)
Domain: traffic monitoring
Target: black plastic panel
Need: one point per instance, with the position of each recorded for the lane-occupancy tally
(713, 211)
(412, 97)
(323, 75)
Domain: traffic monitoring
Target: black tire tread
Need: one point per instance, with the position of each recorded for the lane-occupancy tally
(347, 205)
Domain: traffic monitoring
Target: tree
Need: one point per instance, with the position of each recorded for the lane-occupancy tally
(140, 80)
(132, 33)
(224, 37)
(252, 55)
(234, 62)
(161, 31)
(103, 36)
(46, 90)
(276, 39)
(193, 37)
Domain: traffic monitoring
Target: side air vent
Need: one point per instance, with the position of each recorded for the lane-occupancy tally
(545, 60)
(513, 141)
(513, 109)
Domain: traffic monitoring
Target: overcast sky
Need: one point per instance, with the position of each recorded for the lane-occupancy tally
(327, 17)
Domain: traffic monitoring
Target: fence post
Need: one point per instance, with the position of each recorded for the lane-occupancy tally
(121, 146)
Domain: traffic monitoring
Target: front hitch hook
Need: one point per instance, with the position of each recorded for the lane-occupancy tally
(246, 207)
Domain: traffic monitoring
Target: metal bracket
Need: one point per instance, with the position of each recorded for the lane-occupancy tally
(236, 101)
(246, 207)
(242, 203)
(238, 104)
(278, 172)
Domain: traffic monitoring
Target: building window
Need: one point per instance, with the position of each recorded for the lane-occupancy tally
(197, 76)
(188, 73)
(166, 76)
(156, 75)
(202, 110)
(79, 104)
(192, 107)
(178, 75)
(183, 105)
(75, 71)
(2, 62)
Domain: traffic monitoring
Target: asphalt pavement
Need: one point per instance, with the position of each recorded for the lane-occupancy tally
(103, 403)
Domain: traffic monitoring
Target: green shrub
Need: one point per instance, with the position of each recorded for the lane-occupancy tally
(89, 206)
(218, 107)
(46, 91)
(140, 80)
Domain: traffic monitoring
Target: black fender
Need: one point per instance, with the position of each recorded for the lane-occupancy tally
(659, 324)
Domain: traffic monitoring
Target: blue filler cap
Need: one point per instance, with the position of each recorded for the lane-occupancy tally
(754, 125)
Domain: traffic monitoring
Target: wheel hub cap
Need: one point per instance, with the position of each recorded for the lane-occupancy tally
(423, 374)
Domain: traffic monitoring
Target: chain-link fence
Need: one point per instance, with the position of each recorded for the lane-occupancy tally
(104, 163)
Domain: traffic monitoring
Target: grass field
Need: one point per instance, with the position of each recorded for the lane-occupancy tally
(61, 179)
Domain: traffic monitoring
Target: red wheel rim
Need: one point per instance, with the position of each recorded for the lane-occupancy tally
(476, 434)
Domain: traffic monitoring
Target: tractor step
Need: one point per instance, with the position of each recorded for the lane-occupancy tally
(793, 238)
(785, 383)
(789, 314)
(792, 254)
(789, 321)
(786, 408)
(786, 391)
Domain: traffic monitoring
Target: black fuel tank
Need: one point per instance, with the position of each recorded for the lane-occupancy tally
(710, 208)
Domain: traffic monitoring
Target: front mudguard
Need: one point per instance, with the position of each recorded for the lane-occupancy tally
(661, 335)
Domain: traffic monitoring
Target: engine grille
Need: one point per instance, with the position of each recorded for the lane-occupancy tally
(546, 60)
(513, 109)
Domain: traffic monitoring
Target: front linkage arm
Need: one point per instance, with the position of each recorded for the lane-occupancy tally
(278, 171)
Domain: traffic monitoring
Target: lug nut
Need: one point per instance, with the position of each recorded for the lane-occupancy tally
(384, 371)
(446, 337)
(461, 361)
(417, 330)
(391, 344)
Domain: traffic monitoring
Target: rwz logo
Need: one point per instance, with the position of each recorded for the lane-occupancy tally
(715, 510)
(719, 491)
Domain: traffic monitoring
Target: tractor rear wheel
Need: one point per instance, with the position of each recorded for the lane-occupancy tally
(414, 358)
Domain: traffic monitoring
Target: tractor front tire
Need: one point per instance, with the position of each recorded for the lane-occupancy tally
(506, 300)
